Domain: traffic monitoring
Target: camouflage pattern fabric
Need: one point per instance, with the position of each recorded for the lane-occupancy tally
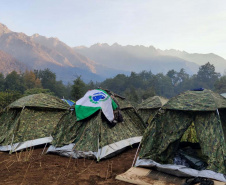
(66, 130)
(30, 117)
(223, 120)
(40, 100)
(149, 107)
(162, 137)
(8, 122)
(123, 104)
(131, 126)
(205, 100)
(190, 135)
(34, 124)
(147, 114)
(28, 124)
(153, 102)
(94, 132)
(211, 139)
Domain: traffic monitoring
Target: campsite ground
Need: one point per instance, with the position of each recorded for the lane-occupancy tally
(31, 167)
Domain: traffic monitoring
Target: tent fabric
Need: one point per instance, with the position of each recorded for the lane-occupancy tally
(39, 100)
(95, 133)
(153, 102)
(212, 141)
(159, 140)
(162, 137)
(19, 125)
(149, 107)
(205, 100)
(147, 114)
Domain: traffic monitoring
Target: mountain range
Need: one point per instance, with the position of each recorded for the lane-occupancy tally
(19, 52)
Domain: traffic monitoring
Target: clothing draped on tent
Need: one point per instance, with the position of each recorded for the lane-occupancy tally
(93, 101)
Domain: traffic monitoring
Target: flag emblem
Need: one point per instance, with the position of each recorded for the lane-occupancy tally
(98, 97)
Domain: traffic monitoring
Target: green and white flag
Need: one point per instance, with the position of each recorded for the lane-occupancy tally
(93, 101)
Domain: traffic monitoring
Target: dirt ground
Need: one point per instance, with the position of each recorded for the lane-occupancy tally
(31, 167)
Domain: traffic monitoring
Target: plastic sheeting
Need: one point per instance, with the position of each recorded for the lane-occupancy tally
(103, 152)
(180, 170)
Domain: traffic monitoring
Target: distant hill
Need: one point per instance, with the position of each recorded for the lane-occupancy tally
(200, 59)
(39, 52)
(38, 56)
(78, 62)
(135, 58)
(98, 62)
(138, 58)
(9, 64)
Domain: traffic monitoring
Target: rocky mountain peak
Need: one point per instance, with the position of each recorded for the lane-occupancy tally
(4, 29)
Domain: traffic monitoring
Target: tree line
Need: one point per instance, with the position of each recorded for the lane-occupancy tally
(135, 87)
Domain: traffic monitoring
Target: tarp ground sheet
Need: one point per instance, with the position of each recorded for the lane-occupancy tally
(95, 132)
(162, 137)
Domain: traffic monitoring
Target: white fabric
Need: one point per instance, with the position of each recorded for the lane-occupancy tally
(90, 100)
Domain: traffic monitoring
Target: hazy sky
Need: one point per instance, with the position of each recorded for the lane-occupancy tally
(196, 26)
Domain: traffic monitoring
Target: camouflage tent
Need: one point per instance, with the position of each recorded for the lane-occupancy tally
(162, 137)
(149, 107)
(94, 136)
(30, 121)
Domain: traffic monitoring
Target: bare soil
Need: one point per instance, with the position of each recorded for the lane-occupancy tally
(31, 167)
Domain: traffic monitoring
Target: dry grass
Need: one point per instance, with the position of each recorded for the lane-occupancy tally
(31, 167)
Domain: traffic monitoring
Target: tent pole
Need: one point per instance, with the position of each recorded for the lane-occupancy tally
(136, 155)
(219, 119)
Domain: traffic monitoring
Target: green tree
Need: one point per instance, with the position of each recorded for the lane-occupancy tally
(8, 97)
(131, 95)
(206, 76)
(78, 89)
(220, 85)
(14, 81)
(48, 79)
(2, 82)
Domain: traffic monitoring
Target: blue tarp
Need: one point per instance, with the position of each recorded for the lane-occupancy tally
(69, 102)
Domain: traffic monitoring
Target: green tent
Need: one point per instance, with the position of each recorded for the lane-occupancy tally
(29, 121)
(149, 107)
(162, 137)
(94, 136)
